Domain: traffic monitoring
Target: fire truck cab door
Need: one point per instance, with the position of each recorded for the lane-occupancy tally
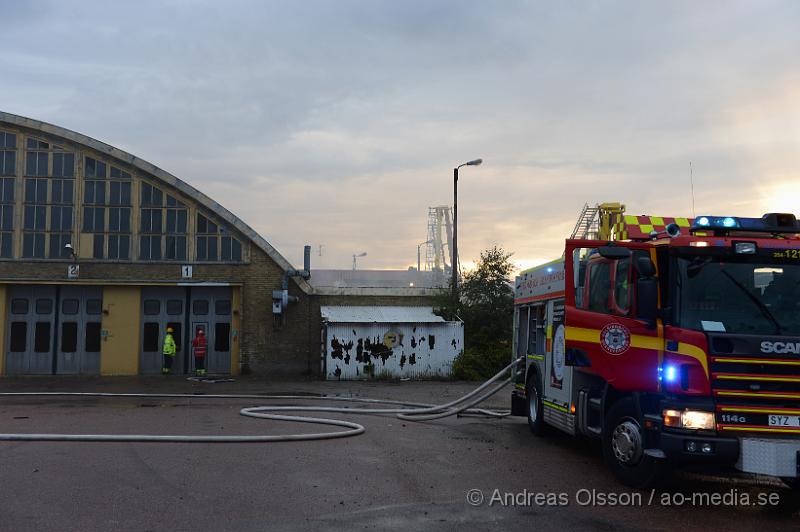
(615, 345)
(558, 375)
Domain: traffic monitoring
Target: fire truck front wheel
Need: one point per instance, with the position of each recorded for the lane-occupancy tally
(623, 447)
(533, 392)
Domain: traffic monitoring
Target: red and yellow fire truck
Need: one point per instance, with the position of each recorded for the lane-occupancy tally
(672, 340)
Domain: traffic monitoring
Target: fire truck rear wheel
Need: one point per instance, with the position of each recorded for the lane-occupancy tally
(623, 447)
(534, 396)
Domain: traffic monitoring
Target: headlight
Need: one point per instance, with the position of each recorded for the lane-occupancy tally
(689, 419)
(694, 419)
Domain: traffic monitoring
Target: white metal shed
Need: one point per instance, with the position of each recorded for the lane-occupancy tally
(392, 342)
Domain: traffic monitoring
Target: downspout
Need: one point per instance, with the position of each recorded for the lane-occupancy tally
(281, 298)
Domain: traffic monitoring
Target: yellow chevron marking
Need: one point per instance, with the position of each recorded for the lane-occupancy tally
(757, 361)
(694, 352)
(647, 342)
(639, 341)
(756, 378)
(786, 411)
(581, 334)
(557, 407)
(762, 429)
(760, 395)
(682, 222)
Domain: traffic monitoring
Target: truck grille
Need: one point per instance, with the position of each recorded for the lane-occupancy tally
(748, 390)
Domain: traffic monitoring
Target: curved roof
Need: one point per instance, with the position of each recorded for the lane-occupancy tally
(167, 178)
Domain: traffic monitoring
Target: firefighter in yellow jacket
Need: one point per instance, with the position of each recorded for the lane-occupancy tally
(168, 351)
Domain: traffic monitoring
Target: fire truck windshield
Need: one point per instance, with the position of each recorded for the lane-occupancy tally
(738, 294)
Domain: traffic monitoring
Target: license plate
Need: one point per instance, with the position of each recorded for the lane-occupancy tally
(784, 421)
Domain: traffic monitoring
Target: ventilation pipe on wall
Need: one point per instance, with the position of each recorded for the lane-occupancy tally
(281, 298)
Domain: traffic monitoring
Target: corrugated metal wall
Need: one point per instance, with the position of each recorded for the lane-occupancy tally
(361, 350)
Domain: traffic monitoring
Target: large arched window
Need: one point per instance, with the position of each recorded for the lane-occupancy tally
(48, 211)
(8, 171)
(215, 243)
(56, 190)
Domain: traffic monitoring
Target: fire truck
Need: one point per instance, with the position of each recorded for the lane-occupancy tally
(674, 341)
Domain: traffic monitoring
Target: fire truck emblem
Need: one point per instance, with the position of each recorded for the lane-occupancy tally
(615, 339)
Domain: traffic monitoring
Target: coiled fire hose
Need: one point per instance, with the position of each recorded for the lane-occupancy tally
(403, 410)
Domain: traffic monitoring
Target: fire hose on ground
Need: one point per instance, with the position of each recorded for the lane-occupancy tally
(464, 405)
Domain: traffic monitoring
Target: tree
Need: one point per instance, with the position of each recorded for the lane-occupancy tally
(486, 305)
(488, 300)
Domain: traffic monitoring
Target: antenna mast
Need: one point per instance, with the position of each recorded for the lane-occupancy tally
(691, 182)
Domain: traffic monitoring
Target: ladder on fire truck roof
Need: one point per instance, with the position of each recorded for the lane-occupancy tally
(608, 221)
(588, 222)
(602, 221)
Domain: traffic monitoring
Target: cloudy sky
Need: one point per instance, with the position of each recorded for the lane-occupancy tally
(338, 123)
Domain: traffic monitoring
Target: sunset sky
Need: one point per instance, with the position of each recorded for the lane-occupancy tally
(338, 123)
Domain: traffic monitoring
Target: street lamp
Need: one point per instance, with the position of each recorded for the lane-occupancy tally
(364, 254)
(72, 269)
(71, 252)
(454, 266)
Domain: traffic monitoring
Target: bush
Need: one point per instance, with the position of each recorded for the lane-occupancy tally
(481, 363)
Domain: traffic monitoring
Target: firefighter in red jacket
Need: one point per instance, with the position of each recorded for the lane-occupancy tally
(199, 347)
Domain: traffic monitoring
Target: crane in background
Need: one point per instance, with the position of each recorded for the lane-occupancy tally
(439, 244)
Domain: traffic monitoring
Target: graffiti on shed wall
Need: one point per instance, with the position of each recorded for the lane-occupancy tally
(363, 351)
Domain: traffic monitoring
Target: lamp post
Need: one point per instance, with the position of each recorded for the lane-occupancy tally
(454, 265)
(71, 252)
(72, 270)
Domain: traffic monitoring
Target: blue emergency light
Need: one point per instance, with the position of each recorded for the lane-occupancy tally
(772, 222)
(727, 222)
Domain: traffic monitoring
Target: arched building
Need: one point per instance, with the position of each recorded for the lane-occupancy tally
(149, 252)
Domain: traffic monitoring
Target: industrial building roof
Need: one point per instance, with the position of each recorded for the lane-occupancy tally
(376, 279)
(348, 314)
(161, 175)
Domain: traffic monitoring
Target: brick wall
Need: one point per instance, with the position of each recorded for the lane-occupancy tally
(287, 346)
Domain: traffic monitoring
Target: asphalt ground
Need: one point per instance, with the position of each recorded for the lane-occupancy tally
(399, 475)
